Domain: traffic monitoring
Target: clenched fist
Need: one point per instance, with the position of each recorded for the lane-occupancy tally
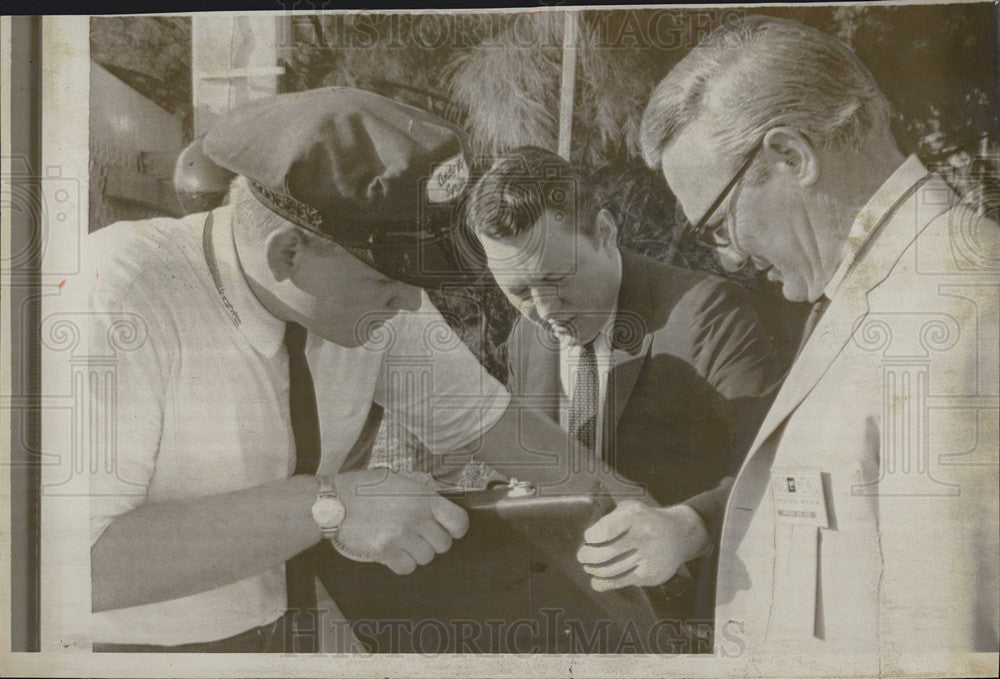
(395, 519)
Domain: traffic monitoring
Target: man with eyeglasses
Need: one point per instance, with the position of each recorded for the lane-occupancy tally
(862, 527)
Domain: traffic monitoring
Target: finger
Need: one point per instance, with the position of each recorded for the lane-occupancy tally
(400, 562)
(589, 555)
(347, 551)
(622, 578)
(643, 575)
(436, 536)
(453, 518)
(607, 584)
(418, 548)
(627, 578)
(612, 526)
(615, 569)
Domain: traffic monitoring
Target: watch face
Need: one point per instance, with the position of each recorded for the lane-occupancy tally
(328, 512)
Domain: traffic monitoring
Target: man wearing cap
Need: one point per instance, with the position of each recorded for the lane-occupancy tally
(254, 348)
(861, 531)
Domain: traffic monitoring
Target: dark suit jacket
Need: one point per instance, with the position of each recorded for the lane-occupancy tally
(693, 372)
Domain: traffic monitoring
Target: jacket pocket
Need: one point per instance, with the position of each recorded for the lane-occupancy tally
(796, 574)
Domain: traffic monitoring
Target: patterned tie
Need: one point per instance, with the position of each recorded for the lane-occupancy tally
(583, 408)
(300, 570)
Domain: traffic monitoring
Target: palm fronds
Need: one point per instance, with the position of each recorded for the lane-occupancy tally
(510, 86)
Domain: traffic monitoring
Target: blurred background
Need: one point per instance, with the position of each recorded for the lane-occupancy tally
(576, 82)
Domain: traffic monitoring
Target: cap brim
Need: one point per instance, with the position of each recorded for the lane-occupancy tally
(448, 259)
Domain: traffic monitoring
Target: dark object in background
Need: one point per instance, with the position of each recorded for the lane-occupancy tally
(511, 585)
(201, 184)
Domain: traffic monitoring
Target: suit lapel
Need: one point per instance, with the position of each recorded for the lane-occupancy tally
(631, 336)
(831, 333)
(625, 369)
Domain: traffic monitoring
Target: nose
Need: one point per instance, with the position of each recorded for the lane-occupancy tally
(731, 259)
(546, 302)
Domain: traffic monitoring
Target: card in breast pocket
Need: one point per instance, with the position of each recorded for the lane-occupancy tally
(799, 498)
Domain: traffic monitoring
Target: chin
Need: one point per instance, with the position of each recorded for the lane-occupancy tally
(793, 294)
(346, 340)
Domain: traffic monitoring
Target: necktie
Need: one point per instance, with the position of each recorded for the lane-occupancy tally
(299, 570)
(583, 407)
(818, 307)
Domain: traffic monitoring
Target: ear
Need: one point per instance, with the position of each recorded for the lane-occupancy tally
(789, 152)
(282, 249)
(606, 230)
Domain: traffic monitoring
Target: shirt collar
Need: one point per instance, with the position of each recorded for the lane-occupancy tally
(264, 330)
(906, 175)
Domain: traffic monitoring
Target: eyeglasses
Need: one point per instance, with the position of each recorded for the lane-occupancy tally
(712, 236)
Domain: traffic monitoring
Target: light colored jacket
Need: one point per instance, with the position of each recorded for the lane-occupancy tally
(894, 400)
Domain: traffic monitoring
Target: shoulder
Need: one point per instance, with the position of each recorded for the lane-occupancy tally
(693, 299)
(140, 257)
(712, 323)
(146, 243)
(136, 279)
(959, 246)
(959, 241)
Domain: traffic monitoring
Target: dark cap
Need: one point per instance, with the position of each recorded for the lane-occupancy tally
(383, 179)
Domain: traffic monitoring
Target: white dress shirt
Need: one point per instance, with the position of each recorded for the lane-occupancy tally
(200, 401)
(569, 361)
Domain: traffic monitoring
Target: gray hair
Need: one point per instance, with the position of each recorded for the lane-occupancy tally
(757, 73)
(253, 216)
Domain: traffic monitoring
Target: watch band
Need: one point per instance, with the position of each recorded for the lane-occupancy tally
(326, 486)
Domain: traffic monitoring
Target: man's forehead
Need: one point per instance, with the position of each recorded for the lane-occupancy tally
(541, 251)
(523, 252)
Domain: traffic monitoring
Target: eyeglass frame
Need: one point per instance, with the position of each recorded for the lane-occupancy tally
(698, 232)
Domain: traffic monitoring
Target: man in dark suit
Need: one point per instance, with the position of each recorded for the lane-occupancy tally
(664, 372)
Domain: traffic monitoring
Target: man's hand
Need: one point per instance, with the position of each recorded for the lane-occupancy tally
(395, 519)
(641, 545)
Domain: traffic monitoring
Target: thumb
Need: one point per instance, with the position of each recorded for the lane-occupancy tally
(611, 527)
(454, 519)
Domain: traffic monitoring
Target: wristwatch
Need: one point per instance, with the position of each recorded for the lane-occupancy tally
(328, 511)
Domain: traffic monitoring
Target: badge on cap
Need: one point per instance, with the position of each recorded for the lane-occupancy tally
(448, 180)
(799, 497)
